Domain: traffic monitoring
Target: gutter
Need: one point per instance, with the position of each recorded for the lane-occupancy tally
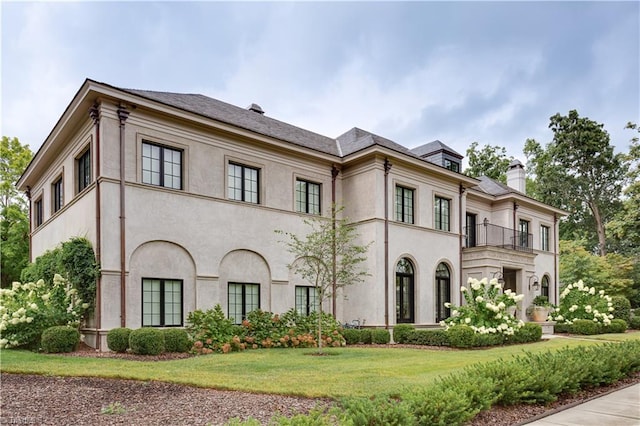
(387, 168)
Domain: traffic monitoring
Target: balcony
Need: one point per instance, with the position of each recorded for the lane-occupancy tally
(498, 236)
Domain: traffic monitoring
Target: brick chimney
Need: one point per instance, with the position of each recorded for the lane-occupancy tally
(516, 176)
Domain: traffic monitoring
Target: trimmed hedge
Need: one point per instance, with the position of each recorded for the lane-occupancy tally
(401, 332)
(176, 340)
(118, 339)
(461, 336)
(380, 336)
(146, 341)
(586, 327)
(528, 333)
(616, 326)
(621, 308)
(455, 399)
(634, 323)
(60, 338)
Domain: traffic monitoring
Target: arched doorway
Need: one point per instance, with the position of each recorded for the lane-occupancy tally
(404, 291)
(443, 292)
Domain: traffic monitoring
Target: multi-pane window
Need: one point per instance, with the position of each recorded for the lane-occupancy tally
(38, 212)
(443, 292)
(57, 194)
(307, 197)
(161, 166)
(524, 233)
(307, 300)
(161, 302)
(451, 165)
(243, 298)
(544, 289)
(544, 238)
(243, 183)
(404, 291)
(404, 204)
(83, 170)
(442, 213)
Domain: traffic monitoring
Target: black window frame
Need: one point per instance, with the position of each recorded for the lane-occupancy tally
(244, 191)
(244, 308)
(544, 286)
(57, 194)
(162, 172)
(83, 170)
(454, 166)
(439, 215)
(544, 237)
(472, 229)
(302, 198)
(162, 293)
(38, 212)
(523, 231)
(443, 291)
(404, 212)
(405, 291)
(306, 306)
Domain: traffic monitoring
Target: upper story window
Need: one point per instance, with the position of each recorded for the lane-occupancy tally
(38, 212)
(524, 233)
(57, 195)
(452, 165)
(442, 213)
(404, 204)
(244, 183)
(544, 238)
(83, 170)
(307, 197)
(161, 166)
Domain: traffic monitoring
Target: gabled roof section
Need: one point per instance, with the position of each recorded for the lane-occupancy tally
(433, 147)
(357, 139)
(244, 118)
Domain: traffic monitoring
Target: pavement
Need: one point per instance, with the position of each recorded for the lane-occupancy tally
(618, 408)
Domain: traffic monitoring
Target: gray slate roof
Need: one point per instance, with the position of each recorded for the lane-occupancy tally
(492, 187)
(240, 117)
(357, 139)
(434, 146)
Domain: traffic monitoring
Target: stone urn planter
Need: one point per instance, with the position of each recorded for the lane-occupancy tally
(540, 313)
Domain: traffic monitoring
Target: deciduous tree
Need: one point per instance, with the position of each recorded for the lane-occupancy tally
(490, 161)
(328, 257)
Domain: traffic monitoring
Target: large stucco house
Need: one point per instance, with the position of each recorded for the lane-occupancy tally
(180, 195)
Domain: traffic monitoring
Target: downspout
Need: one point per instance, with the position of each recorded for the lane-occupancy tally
(28, 194)
(123, 114)
(460, 228)
(555, 259)
(387, 168)
(94, 113)
(515, 227)
(334, 284)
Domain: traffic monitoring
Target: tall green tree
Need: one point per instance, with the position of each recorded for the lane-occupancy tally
(490, 161)
(625, 226)
(327, 257)
(578, 171)
(14, 229)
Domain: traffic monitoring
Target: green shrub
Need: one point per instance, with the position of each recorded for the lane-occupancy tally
(380, 336)
(435, 337)
(60, 338)
(146, 341)
(351, 336)
(490, 339)
(461, 336)
(118, 339)
(586, 327)
(176, 340)
(621, 308)
(530, 332)
(562, 327)
(373, 411)
(634, 323)
(616, 326)
(401, 332)
(366, 336)
(210, 329)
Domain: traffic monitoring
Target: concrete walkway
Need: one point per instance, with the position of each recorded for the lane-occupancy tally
(619, 408)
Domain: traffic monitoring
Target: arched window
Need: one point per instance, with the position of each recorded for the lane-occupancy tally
(544, 287)
(443, 292)
(404, 291)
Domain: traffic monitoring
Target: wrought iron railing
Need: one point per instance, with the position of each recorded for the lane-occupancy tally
(498, 236)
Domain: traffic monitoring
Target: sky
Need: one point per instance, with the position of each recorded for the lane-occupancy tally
(412, 72)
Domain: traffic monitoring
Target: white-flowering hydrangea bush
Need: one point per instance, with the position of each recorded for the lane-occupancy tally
(26, 310)
(579, 301)
(487, 308)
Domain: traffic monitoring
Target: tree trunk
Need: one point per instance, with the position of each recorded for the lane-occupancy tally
(602, 241)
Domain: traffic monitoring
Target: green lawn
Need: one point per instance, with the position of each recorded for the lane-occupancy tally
(345, 372)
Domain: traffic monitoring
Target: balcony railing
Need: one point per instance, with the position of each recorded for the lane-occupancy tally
(498, 236)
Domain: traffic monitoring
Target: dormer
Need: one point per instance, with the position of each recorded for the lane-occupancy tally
(438, 153)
